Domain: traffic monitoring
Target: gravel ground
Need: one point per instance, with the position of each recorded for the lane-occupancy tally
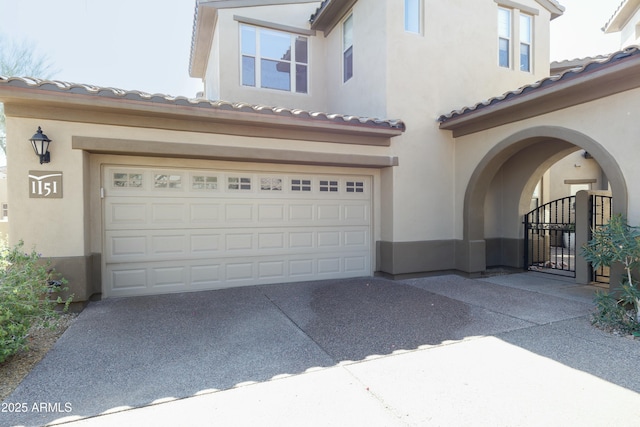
(41, 339)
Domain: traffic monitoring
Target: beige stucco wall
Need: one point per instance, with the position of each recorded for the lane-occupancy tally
(54, 226)
(430, 74)
(574, 169)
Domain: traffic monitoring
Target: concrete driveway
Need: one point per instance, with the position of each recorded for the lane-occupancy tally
(507, 350)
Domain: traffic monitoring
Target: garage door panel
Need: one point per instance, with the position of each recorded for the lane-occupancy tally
(173, 244)
(239, 242)
(301, 269)
(129, 279)
(329, 239)
(301, 212)
(205, 276)
(205, 244)
(356, 238)
(272, 270)
(238, 213)
(239, 271)
(126, 214)
(328, 266)
(170, 277)
(354, 263)
(127, 246)
(180, 230)
(204, 213)
(168, 213)
(301, 239)
(328, 212)
(271, 213)
(268, 241)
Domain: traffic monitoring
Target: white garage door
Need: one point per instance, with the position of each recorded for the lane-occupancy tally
(183, 230)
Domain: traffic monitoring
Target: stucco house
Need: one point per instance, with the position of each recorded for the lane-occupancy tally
(334, 139)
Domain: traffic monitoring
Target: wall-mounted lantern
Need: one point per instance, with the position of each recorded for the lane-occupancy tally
(40, 143)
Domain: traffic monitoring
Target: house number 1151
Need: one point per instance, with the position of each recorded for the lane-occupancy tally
(45, 184)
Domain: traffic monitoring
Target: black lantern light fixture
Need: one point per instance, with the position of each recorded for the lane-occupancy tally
(40, 143)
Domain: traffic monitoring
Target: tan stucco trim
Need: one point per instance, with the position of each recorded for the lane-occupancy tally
(273, 26)
(123, 112)
(519, 6)
(241, 154)
(553, 7)
(587, 86)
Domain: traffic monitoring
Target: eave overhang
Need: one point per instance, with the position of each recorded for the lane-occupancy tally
(329, 14)
(204, 23)
(555, 8)
(25, 97)
(620, 72)
(621, 17)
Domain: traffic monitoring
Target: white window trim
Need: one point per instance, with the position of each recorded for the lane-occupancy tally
(508, 38)
(257, 57)
(530, 44)
(515, 43)
(420, 18)
(349, 16)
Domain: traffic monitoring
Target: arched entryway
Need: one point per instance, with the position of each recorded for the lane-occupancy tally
(500, 187)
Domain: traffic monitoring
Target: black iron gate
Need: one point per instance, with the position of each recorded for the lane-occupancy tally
(601, 209)
(549, 238)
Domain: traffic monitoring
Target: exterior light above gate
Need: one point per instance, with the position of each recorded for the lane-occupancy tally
(40, 143)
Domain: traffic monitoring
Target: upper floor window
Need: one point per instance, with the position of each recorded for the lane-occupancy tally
(412, 14)
(274, 59)
(525, 42)
(504, 37)
(347, 48)
(515, 34)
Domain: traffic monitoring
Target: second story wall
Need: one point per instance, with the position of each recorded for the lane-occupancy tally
(456, 60)
(364, 91)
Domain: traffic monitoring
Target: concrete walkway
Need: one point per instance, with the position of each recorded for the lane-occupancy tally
(515, 350)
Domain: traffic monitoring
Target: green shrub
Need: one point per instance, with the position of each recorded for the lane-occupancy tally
(27, 293)
(617, 242)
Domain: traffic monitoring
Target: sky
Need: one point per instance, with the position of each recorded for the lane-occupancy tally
(145, 44)
(577, 33)
(128, 44)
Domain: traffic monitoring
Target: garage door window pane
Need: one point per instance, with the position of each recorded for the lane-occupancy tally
(331, 186)
(238, 183)
(300, 185)
(204, 183)
(355, 187)
(127, 180)
(271, 184)
(168, 181)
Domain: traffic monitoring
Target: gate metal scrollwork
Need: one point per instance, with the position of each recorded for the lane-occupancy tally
(549, 238)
